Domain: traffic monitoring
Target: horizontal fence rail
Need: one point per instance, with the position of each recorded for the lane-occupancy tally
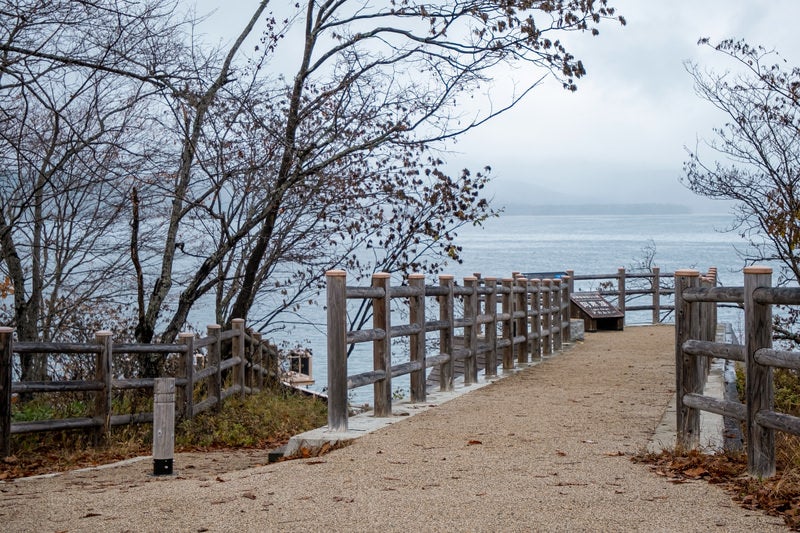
(695, 313)
(510, 322)
(630, 290)
(233, 362)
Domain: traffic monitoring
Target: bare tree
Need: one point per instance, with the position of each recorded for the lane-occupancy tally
(220, 178)
(759, 151)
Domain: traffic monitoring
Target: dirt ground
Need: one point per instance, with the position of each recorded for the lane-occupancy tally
(546, 449)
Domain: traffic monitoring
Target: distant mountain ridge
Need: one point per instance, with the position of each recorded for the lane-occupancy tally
(597, 209)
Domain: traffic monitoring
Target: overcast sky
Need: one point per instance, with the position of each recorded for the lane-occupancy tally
(622, 136)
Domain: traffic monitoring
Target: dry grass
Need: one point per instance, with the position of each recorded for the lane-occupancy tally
(265, 421)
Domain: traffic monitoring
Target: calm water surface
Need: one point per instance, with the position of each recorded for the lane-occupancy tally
(586, 244)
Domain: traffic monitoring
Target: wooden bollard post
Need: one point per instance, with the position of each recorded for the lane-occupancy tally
(759, 389)
(163, 426)
(417, 341)
(687, 378)
(337, 349)
(491, 328)
(6, 353)
(446, 370)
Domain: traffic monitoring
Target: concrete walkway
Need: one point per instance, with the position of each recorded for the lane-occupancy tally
(546, 449)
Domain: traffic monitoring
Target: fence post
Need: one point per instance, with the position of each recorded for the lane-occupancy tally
(471, 331)
(535, 313)
(566, 330)
(258, 360)
(508, 330)
(446, 335)
(556, 314)
(521, 306)
(491, 328)
(214, 360)
(186, 402)
(656, 295)
(382, 349)
(102, 405)
(687, 378)
(163, 426)
(758, 386)
(621, 290)
(336, 281)
(571, 282)
(546, 314)
(6, 366)
(237, 350)
(417, 348)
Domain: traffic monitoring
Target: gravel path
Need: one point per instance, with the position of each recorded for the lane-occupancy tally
(546, 449)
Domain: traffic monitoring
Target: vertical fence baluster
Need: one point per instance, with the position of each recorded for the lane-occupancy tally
(759, 388)
(237, 350)
(566, 290)
(446, 335)
(471, 331)
(556, 313)
(687, 378)
(545, 312)
(656, 286)
(6, 366)
(536, 318)
(621, 290)
(508, 324)
(521, 323)
(337, 349)
(186, 400)
(102, 404)
(259, 359)
(491, 328)
(382, 349)
(417, 347)
(214, 360)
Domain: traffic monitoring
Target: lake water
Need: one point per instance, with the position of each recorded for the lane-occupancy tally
(586, 244)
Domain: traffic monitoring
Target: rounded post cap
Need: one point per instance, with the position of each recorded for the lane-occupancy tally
(214, 326)
(446, 277)
(756, 269)
(6, 329)
(416, 275)
(336, 273)
(185, 334)
(103, 333)
(688, 272)
(470, 279)
(380, 275)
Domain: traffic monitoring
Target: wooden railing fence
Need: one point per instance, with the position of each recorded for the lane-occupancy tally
(241, 368)
(532, 322)
(695, 318)
(628, 290)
